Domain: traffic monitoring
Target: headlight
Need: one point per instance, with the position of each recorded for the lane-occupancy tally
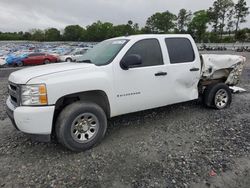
(34, 95)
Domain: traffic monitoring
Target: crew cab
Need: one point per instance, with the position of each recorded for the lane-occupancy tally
(118, 76)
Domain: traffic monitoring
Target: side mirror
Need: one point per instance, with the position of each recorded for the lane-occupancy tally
(130, 61)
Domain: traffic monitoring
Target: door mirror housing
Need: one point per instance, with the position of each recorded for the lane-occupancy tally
(130, 61)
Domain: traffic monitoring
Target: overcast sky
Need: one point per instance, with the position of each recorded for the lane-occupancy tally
(16, 15)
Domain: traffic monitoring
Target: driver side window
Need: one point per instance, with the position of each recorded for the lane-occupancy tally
(149, 50)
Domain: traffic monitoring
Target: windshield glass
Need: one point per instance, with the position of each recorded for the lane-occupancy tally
(104, 52)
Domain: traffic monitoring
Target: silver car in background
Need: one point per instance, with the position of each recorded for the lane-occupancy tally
(74, 55)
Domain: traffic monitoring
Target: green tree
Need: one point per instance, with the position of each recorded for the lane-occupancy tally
(145, 30)
(183, 19)
(241, 12)
(27, 36)
(213, 37)
(225, 6)
(99, 31)
(73, 33)
(133, 28)
(136, 28)
(122, 30)
(241, 35)
(198, 25)
(230, 21)
(130, 22)
(218, 14)
(37, 35)
(52, 34)
(126, 29)
(161, 22)
(214, 16)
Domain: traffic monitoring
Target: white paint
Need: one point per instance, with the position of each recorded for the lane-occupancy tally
(34, 120)
(216, 66)
(24, 75)
(178, 85)
(9, 105)
(237, 89)
(2, 61)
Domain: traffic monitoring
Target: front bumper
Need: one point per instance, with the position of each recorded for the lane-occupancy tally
(31, 120)
(10, 113)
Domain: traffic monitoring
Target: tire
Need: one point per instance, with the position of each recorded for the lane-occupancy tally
(20, 64)
(68, 60)
(217, 96)
(46, 61)
(74, 120)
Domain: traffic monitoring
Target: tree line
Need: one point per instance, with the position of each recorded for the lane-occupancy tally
(219, 23)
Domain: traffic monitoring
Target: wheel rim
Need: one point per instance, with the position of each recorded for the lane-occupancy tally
(221, 98)
(20, 64)
(68, 60)
(84, 127)
(46, 61)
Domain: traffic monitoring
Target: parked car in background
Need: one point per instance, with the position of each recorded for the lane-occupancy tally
(38, 59)
(73, 55)
(15, 60)
(2, 61)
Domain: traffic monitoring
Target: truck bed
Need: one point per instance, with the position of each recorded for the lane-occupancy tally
(221, 67)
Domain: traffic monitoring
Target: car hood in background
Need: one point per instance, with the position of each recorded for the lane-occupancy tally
(24, 75)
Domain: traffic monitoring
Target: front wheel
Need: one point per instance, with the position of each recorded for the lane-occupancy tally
(81, 125)
(217, 96)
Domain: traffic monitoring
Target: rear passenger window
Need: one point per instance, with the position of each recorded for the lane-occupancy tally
(180, 50)
(149, 50)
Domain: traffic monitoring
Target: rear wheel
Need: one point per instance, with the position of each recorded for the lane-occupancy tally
(46, 61)
(81, 125)
(68, 60)
(217, 96)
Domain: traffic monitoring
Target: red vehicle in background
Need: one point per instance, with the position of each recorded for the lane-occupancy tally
(38, 59)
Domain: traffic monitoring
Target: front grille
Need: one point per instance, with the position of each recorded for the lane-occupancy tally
(14, 93)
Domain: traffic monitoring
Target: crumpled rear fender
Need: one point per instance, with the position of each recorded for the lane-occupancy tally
(226, 67)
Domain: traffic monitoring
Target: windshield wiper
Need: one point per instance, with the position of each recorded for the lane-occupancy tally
(85, 61)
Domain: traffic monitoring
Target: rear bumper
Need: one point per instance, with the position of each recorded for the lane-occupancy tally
(35, 121)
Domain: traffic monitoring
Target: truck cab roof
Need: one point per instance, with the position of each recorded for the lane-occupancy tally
(145, 36)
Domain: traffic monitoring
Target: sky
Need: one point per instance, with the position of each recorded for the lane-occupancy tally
(16, 15)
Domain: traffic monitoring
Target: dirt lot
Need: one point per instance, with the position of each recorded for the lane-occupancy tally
(183, 145)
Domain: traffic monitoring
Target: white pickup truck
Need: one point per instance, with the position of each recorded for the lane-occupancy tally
(118, 76)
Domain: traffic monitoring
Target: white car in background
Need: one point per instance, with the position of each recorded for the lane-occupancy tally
(2, 61)
(73, 55)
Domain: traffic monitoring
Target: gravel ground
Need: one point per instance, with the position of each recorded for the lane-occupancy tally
(183, 145)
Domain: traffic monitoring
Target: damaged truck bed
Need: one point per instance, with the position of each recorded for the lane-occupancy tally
(226, 68)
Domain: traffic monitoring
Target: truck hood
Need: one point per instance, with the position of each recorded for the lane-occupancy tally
(24, 75)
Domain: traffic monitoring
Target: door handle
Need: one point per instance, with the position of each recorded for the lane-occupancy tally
(161, 74)
(194, 69)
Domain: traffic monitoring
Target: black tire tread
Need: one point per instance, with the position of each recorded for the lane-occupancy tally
(46, 60)
(67, 112)
(210, 91)
(69, 59)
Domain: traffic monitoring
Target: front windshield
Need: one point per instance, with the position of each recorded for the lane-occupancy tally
(104, 52)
